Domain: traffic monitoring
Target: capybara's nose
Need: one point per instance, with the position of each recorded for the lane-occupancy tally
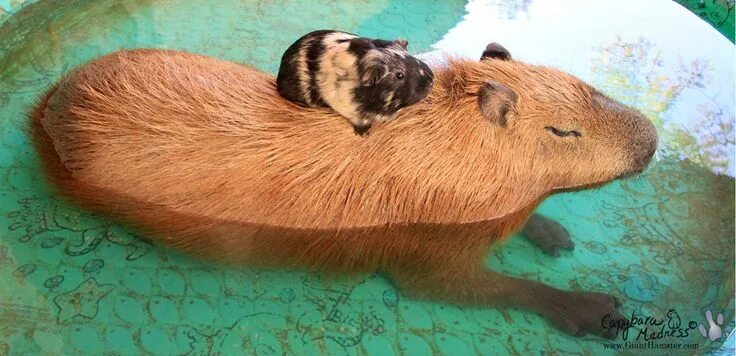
(645, 156)
(644, 144)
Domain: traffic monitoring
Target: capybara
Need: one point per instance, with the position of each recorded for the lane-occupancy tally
(204, 155)
(365, 80)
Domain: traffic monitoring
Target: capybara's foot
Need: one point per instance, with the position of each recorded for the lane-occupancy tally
(582, 313)
(575, 313)
(548, 234)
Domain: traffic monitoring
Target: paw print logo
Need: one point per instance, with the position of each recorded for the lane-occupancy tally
(714, 331)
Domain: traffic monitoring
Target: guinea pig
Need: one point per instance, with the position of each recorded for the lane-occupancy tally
(365, 80)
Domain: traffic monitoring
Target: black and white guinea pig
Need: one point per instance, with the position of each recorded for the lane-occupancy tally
(365, 80)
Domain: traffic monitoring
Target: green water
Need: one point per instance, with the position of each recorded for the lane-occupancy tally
(73, 283)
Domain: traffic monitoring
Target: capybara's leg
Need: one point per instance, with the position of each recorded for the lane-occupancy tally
(576, 313)
(547, 234)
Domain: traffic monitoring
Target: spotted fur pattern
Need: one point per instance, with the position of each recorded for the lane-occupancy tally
(364, 80)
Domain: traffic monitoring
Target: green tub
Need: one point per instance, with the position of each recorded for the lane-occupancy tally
(73, 283)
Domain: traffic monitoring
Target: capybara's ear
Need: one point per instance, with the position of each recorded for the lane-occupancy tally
(495, 101)
(496, 51)
(402, 43)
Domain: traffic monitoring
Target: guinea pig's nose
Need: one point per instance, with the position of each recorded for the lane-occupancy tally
(428, 82)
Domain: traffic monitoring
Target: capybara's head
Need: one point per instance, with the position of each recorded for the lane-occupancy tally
(573, 132)
(543, 125)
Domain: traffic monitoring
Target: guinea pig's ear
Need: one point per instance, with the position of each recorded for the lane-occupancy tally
(402, 43)
(361, 45)
(372, 74)
(496, 100)
(496, 51)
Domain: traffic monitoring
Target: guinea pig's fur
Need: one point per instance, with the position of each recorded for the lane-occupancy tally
(205, 156)
(365, 80)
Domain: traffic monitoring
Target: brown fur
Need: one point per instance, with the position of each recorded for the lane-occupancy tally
(204, 155)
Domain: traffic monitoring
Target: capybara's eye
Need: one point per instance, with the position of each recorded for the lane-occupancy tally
(563, 133)
(400, 75)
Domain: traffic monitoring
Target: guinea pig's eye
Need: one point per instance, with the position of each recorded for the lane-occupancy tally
(562, 133)
(400, 75)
